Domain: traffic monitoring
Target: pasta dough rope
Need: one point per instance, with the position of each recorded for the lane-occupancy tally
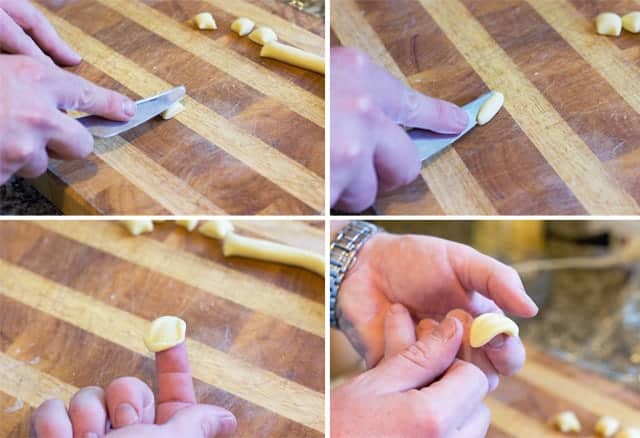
(294, 56)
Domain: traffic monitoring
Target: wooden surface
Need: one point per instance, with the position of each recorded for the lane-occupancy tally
(523, 404)
(568, 138)
(251, 140)
(77, 297)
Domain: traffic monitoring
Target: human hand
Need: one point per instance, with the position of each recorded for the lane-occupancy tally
(430, 277)
(127, 408)
(370, 151)
(418, 389)
(26, 31)
(32, 125)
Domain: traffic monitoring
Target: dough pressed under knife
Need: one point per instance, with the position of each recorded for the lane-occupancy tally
(146, 109)
(430, 143)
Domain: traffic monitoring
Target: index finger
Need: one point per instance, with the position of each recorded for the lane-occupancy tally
(175, 383)
(76, 93)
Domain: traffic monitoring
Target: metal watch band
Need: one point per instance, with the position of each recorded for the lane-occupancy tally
(344, 248)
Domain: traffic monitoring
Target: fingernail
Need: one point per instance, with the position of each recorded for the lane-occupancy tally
(227, 425)
(396, 309)
(125, 415)
(448, 328)
(129, 107)
(460, 117)
(498, 341)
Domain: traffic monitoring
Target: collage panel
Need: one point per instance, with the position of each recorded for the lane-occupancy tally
(473, 328)
(96, 310)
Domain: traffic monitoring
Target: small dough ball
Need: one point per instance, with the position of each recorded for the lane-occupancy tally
(172, 111)
(165, 332)
(631, 22)
(216, 229)
(607, 426)
(490, 108)
(263, 35)
(242, 26)
(567, 422)
(189, 224)
(205, 21)
(609, 23)
(629, 432)
(139, 226)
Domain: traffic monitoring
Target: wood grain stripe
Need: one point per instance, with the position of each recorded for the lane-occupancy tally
(285, 29)
(256, 385)
(603, 55)
(453, 186)
(256, 76)
(291, 176)
(585, 175)
(576, 392)
(195, 271)
(516, 423)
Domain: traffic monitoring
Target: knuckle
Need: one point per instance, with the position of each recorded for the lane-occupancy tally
(351, 58)
(30, 68)
(420, 354)
(411, 105)
(86, 96)
(20, 153)
(426, 416)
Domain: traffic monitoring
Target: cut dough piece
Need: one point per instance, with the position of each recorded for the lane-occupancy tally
(607, 426)
(490, 108)
(629, 432)
(489, 325)
(189, 224)
(609, 23)
(631, 22)
(294, 56)
(242, 26)
(263, 35)
(235, 245)
(165, 332)
(567, 422)
(216, 229)
(205, 21)
(140, 226)
(173, 111)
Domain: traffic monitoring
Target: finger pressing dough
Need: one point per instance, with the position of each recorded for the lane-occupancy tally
(489, 325)
(173, 111)
(189, 224)
(263, 35)
(629, 432)
(293, 55)
(609, 23)
(235, 245)
(490, 108)
(216, 229)
(242, 26)
(165, 332)
(607, 426)
(631, 22)
(567, 422)
(205, 21)
(139, 226)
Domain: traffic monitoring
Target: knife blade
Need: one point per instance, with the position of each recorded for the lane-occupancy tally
(430, 144)
(146, 109)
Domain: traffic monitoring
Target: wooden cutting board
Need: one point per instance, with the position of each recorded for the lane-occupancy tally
(77, 297)
(568, 139)
(251, 140)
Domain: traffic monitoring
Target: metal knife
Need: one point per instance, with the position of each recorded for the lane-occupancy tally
(430, 144)
(146, 109)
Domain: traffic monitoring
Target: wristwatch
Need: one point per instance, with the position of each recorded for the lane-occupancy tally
(344, 248)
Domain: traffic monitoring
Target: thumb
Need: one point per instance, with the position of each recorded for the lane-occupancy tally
(422, 362)
(201, 421)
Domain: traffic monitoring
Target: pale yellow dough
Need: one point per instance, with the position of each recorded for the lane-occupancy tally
(490, 108)
(242, 26)
(629, 432)
(609, 23)
(263, 35)
(173, 111)
(216, 229)
(138, 227)
(205, 21)
(294, 56)
(189, 224)
(631, 22)
(607, 426)
(567, 422)
(165, 332)
(489, 325)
